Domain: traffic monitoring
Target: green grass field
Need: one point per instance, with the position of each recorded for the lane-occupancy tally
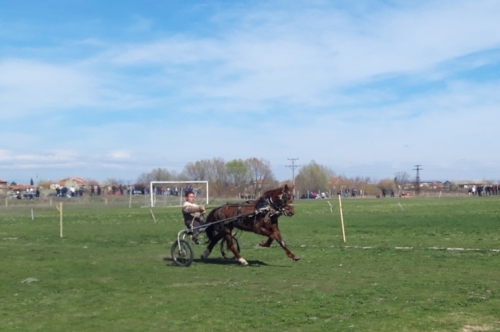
(396, 272)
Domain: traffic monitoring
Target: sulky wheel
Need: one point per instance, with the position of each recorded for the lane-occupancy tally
(226, 251)
(182, 253)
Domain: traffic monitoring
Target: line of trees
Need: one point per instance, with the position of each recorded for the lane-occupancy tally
(249, 176)
(254, 176)
(318, 178)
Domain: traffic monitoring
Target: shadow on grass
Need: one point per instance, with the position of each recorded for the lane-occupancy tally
(222, 261)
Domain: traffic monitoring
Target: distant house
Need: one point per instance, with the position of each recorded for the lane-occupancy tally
(339, 182)
(3, 186)
(409, 185)
(432, 185)
(74, 182)
(463, 184)
(22, 187)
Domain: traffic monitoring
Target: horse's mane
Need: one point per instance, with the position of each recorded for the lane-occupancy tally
(210, 216)
(272, 192)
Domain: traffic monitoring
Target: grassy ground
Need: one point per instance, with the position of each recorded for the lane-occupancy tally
(109, 272)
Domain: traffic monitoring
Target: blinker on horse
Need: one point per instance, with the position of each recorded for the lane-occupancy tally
(259, 216)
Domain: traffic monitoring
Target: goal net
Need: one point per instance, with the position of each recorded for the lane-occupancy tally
(171, 193)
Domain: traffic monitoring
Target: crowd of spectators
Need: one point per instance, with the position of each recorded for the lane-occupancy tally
(483, 190)
(30, 193)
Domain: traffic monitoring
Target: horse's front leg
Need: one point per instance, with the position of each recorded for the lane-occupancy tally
(277, 236)
(274, 234)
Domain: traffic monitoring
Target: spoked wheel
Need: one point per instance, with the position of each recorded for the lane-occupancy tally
(182, 253)
(226, 251)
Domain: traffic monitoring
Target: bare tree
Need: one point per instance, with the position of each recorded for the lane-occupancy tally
(386, 184)
(212, 170)
(157, 174)
(197, 171)
(112, 181)
(262, 176)
(401, 179)
(218, 175)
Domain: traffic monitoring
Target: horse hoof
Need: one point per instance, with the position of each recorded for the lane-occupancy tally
(243, 262)
(296, 258)
(264, 245)
(205, 254)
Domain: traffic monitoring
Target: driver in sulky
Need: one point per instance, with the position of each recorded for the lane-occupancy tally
(193, 215)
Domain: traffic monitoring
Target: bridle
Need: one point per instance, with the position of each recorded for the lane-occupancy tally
(282, 206)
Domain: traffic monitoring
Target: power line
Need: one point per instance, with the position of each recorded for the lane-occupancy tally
(293, 167)
(417, 179)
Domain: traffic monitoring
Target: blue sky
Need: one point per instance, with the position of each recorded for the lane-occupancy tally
(106, 89)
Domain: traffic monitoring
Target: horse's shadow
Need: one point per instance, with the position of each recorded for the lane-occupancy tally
(224, 261)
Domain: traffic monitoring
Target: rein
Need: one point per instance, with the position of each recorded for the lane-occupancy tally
(239, 217)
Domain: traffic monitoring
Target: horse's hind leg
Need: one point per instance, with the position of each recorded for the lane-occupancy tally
(211, 245)
(267, 243)
(232, 247)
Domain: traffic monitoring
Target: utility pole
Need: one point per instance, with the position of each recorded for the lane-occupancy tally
(417, 180)
(293, 167)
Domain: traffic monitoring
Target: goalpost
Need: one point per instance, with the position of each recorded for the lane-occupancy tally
(173, 191)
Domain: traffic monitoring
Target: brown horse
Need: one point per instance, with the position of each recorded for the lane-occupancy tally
(259, 216)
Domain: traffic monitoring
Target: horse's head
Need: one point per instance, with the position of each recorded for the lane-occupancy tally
(287, 199)
(281, 199)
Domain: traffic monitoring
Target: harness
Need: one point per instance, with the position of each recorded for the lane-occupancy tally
(265, 206)
(261, 207)
(278, 209)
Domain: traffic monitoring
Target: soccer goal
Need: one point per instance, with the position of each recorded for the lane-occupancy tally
(171, 193)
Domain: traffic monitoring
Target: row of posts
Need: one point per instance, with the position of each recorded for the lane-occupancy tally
(50, 202)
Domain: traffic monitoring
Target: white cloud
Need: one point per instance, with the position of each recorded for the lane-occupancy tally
(304, 58)
(300, 82)
(30, 87)
(120, 154)
(51, 157)
(294, 58)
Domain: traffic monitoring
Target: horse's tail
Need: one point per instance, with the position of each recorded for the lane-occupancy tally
(210, 231)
